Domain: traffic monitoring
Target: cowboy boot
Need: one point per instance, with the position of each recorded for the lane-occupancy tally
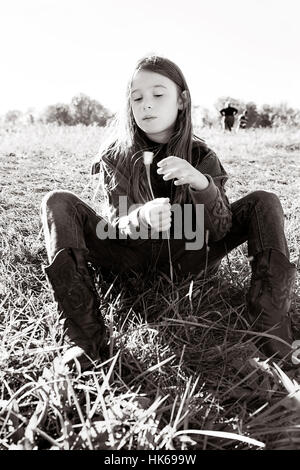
(269, 301)
(78, 302)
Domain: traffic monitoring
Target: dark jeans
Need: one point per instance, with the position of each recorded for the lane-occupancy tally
(69, 222)
(228, 122)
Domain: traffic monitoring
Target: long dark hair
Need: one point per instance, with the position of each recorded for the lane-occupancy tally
(123, 150)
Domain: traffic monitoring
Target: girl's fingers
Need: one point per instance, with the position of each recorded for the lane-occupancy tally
(180, 182)
(163, 201)
(168, 176)
(164, 226)
(171, 172)
(162, 218)
(164, 170)
(165, 217)
(167, 160)
(167, 169)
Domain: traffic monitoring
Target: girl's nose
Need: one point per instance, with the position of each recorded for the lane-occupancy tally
(147, 106)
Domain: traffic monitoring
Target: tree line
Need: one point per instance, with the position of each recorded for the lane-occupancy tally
(257, 116)
(81, 110)
(84, 110)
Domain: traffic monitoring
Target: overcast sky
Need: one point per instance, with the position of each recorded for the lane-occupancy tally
(54, 49)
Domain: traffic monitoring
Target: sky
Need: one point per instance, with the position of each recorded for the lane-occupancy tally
(52, 50)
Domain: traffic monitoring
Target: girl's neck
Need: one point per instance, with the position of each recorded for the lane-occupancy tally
(160, 137)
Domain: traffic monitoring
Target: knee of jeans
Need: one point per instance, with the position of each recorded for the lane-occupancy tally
(57, 198)
(266, 198)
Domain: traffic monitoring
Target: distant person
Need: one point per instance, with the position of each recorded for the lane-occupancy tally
(243, 120)
(184, 171)
(228, 113)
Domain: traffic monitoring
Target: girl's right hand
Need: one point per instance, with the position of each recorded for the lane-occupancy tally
(157, 214)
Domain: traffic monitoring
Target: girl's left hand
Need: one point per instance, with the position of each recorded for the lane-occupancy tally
(183, 171)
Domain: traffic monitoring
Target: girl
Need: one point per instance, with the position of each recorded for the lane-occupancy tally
(184, 171)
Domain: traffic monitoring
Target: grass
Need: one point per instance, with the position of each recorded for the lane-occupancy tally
(183, 372)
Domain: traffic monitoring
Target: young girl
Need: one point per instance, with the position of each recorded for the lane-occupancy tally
(184, 171)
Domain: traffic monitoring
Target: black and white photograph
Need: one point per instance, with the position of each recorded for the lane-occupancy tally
(149, 229)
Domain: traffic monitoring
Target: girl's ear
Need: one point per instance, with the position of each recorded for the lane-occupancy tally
(182, 99)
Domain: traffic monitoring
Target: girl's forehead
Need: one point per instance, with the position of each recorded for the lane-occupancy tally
(143, 79)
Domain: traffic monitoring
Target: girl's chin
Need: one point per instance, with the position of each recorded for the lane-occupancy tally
(150, 126)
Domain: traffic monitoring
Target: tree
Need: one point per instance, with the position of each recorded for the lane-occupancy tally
(284, 115)
(59, 113)
(252, 114)
(204, 117)
(12, 116)
(87, 111)
(265, 116)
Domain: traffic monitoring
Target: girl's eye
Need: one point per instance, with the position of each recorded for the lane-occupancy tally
(157, 96)
(137, 99)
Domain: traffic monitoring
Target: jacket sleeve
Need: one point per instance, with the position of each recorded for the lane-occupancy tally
(121, 213)
(217, 211)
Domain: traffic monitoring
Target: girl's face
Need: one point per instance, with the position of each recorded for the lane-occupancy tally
(155, 102)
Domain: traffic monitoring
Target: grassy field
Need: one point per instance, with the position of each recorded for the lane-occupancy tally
(182, 373)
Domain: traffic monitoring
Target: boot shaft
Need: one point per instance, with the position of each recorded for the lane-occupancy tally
(77, 298)
(269, 301)
(272, 281)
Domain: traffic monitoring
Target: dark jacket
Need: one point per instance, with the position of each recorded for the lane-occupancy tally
(229, 111)
(217, 212)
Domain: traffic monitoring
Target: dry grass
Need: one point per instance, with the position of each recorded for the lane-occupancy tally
(183, 372)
